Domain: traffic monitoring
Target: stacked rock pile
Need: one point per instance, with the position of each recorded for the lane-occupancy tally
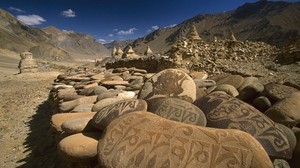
(193, 53)
(27, 64)
(212, 57)
(127, 117)
(290, 54)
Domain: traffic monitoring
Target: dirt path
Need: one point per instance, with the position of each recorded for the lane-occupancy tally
(25, 140)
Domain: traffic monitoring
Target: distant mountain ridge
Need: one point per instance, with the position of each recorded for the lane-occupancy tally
(276, 23)
(118, 43)
(48, 43)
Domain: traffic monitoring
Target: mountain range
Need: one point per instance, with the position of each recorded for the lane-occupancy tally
(273, 22)
(48, 43)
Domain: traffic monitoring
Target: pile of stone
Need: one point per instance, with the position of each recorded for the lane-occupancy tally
(27, 64)
(127, 117)
(117, 53)
(150, 63)
(290, 54)
(130, 53)
(148, 51)
(195, 53)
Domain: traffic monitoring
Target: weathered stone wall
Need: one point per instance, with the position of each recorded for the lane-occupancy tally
(214, 58)
(128, 117)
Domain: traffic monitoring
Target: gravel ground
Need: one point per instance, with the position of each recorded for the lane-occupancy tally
(25, 139)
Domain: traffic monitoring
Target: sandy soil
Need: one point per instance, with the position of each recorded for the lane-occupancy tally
(25, 139)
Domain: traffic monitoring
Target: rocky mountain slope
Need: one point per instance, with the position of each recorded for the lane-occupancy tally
(118, 43)
(48, 43)
(273, 22)
(17, 36)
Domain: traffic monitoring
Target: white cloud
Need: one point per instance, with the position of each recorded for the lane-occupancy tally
(31, 19)
(114, 30)
(68, 31)
(16, 9)
(101, 41)
(154, 27)
(68, 13)
(126, 32)
(170, 26)
(110, 35)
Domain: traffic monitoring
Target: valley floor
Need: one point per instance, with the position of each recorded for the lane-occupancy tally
(25, 139)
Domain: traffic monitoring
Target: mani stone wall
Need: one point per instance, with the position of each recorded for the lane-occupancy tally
(128, 117)
(193, 53)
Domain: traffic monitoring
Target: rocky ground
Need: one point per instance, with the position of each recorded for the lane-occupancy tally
(25, 139)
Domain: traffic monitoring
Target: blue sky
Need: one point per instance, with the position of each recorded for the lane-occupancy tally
(107, 20)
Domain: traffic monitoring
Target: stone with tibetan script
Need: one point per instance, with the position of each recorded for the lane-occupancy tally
(107, 114)
(178, 110)
(225, 111)
(143, 139)
(169, 83)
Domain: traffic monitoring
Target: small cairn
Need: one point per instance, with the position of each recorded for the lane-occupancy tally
(193, 34)
(220, 55)
(232, 37)
(119, 53)
(27, 64)
(148, 51)
(130, 53)
(113, 53)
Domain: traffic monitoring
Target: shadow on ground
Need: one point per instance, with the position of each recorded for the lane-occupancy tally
(40, 141)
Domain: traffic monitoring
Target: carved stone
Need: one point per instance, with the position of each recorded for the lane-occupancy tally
(143, 139)
(224, 111)
(169, 83)
(179, 110)
(107, 114)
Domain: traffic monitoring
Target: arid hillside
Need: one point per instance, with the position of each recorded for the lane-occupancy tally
(48, 43)
(273, 22)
